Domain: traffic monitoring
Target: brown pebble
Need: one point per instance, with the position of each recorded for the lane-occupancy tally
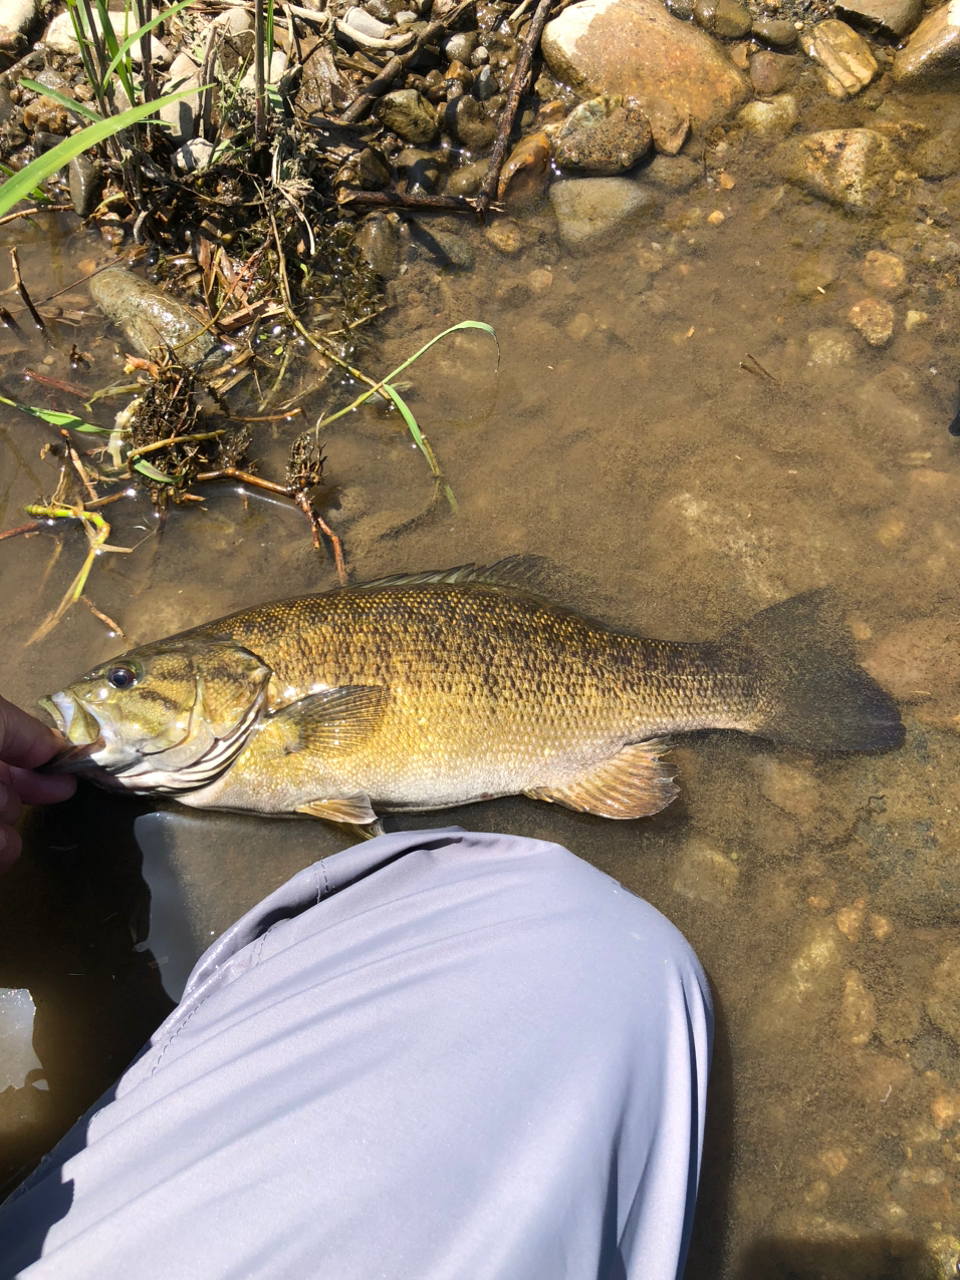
(770, 72)
(874, 320)
(882, 270)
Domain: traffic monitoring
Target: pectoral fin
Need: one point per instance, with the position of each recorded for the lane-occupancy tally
(631, 784)
(354, 810)
(333, 720)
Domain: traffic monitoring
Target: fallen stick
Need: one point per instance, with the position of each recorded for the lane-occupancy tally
(518, 84)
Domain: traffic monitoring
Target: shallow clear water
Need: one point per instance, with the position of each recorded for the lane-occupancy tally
(624, 439)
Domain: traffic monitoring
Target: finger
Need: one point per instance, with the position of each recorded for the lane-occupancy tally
(41, 788)
(9, 805)
(9, 848)
(25, 740)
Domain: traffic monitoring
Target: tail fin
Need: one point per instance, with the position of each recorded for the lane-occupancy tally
(813, 693)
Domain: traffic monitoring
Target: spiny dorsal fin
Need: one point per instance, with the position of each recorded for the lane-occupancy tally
(332, 720)
(631, 784)
(520, 572)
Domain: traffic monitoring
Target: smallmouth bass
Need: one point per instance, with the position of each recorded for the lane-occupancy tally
(430, 690)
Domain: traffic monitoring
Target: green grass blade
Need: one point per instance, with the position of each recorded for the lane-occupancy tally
(43, 167)
(464, 324)
(421, 442)
(56, 419)
(130, 41)
(152, 473)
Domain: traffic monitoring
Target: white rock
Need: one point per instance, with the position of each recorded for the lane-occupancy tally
(278, 65)
(16, 16)
(195, 154)
(60, 38)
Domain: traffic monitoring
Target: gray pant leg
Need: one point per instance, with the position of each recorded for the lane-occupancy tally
(434, 1056)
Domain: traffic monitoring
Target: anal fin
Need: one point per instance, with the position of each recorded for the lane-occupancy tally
(631, 784)
(352, 810)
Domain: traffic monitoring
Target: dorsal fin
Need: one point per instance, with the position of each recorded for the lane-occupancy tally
(519, 572)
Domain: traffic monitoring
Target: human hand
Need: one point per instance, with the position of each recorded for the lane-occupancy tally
(25, 742)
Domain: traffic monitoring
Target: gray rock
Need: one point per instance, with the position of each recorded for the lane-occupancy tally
(932, 54)
(150, 319)
(460, 46)
(480, 56)
(888, 17)
(848, 167)
(195, 154)
(273, 73)
(844, 58)
(86, 183)
(637, 49)
(673, 173)
(591, 210)
(773, 119)
(485, 85)
(602, 136)
(179, 117)
(409, 115)
(725, 18)
(445, 247)
(16, 17)
(468, 122)
(778, 32)
(371, 169)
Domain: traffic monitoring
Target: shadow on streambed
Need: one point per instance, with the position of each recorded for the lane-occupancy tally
(867, 1258)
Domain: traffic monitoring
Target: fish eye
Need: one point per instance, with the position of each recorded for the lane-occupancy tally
(122, 676)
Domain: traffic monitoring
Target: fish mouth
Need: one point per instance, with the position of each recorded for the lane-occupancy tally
(82, 732)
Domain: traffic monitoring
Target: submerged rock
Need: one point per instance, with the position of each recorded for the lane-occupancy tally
(637, 49)
(604, 136)
(874, 320)
(843, 57)
(848, 167)
(773, 119)
(932, 54)
(726, 18)
(589, 210)
(777, 32)
(151, 321)
(668, 125)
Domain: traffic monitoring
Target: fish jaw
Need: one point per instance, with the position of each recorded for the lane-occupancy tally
(90, 750)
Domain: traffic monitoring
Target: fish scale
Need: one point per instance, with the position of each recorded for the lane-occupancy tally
(435, 690)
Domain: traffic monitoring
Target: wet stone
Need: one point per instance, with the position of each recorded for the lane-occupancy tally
(505, 236)
(591, 210)
(467, 179)
(778, 32)
(86, 183)
(378, 243)
(460, 46)
(604, 136)
(409, 115)
(874, 320)
(485, 85)
(882, 270)
(848, 167)
(673, 173)
(669, 126)
(468, 122)
(724, 18)
(637, 49)
(931, 56)
(770, 72)
(844, 58)
(773, 119)
(526, 173)
(420, 170)
(888, 17)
